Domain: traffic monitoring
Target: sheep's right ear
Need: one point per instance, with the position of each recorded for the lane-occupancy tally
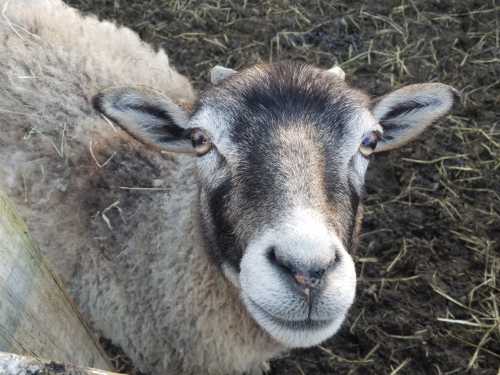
(148, 116)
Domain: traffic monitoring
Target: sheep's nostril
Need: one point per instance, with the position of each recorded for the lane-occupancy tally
(311, 279)
(271, 255)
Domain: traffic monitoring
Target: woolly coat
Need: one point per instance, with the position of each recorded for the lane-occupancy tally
(117, 221)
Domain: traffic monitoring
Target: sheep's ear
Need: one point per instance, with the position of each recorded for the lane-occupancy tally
(407, 112)
(148, 116)
(337, 71)
(219, 73)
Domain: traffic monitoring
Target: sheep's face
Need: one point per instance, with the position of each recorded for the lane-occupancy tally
(282, 152)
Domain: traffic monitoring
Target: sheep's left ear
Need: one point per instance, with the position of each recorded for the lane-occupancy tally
(219, 73)
(407, 112)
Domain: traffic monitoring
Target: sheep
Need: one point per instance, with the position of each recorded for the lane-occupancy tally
(202, 233)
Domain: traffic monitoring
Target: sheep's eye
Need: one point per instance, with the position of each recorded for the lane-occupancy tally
(201, 142)
(369, 142)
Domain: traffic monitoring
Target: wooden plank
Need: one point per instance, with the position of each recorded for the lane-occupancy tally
(11, 364)
(37, 318)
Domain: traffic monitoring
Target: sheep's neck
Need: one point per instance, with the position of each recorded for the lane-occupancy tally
(212, 304)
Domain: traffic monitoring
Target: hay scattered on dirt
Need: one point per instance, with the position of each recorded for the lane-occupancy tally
(429, 263)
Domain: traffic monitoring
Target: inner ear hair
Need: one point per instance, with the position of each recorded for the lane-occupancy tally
(148, 116)
(405, 108)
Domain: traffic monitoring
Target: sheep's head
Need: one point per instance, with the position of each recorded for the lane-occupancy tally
(282, 152)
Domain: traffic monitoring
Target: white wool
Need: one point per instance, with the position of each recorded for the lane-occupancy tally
(130, 256)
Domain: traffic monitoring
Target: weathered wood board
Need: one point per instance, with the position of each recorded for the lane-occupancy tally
(37, 318)
(12, 364)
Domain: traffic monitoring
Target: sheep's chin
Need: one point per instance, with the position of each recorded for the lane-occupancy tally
(273, 302)
(293, 334)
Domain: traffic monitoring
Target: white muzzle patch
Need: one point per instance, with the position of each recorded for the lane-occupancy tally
(269, 292)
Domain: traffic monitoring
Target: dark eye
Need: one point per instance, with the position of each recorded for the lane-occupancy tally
(369, 142)
(201, 142)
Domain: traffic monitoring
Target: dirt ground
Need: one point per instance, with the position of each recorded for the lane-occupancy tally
(429, 262)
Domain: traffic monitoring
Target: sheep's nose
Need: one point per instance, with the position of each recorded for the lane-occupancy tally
(306, 278)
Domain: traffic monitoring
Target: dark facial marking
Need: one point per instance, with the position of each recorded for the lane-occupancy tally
(354, 200)
(285, 96)
(224, 246)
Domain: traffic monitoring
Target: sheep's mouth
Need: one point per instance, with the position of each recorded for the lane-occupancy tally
(297, 325)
